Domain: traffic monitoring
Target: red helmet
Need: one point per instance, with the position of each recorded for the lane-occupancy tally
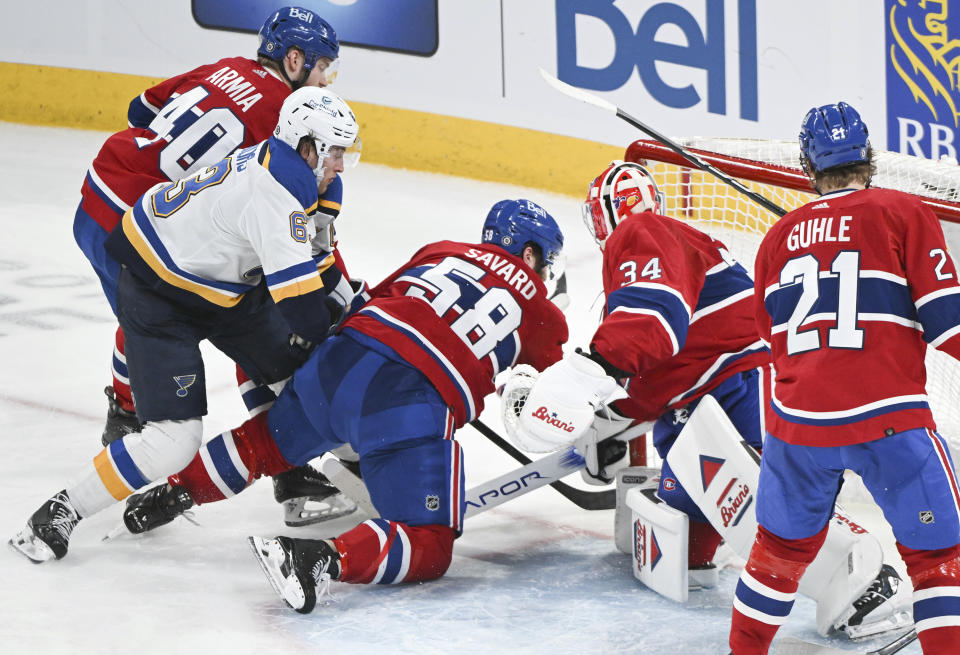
(623, 189)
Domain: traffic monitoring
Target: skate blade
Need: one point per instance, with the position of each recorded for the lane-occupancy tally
(297, 514)
(887, 627)
(28, 545)
(271, 557)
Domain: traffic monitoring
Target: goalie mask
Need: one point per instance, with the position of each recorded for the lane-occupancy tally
(323, 116)
(623, 189)
(512, 224)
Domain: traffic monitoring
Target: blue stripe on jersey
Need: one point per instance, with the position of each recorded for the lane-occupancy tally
(125, 465)
(308, 267)
(718, 369)
(664, 303)
(108, 201)
(380, 347)
(719, 286)
(140, 114)
(874, 296)
(761, 603)
(293, 173)
(143, 223)
(852, 418)
(224, 465)
(939, 315)
(931, 608)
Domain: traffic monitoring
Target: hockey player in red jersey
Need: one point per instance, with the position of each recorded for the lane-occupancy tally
(850, 287)
(402, 374)
(680, 290)
(225, 256)
(185, 124)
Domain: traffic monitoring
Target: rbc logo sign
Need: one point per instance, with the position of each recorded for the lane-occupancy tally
(642, 45)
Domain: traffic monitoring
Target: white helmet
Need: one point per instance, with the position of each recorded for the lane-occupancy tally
(621, 190)
(324, 116)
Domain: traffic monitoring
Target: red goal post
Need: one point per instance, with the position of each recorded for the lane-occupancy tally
(772, 169)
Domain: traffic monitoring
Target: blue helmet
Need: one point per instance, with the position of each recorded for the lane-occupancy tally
(511, 224)
(833, 135)
(295, 26)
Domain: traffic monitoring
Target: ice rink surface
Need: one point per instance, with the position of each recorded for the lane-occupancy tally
(537, 575)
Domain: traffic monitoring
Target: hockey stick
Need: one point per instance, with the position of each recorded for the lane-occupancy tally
(793, 646)
(510, 485)
(589, 98)
(589, 500)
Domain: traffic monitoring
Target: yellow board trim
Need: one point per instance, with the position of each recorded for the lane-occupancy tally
(143, 249)
(393, 137)
(109, 476)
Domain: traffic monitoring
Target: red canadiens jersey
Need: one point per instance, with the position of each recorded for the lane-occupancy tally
(461, 313)
(180, 127)
(678, 313)
(850, 289)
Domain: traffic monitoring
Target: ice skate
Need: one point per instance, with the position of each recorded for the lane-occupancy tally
(295, 488)
(47, 533)
(155, 507)
(300, 570)
(885, 607)
(120, 421)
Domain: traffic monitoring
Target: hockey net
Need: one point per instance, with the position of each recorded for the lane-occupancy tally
(772, 169)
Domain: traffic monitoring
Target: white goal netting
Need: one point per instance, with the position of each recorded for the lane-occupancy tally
(772, 169)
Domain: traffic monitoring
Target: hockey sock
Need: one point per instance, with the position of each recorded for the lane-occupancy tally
(231, 461)
(257, 397)
(703, 543)
(379, 551)
(768, 587)
(936, 597)
(121, 376)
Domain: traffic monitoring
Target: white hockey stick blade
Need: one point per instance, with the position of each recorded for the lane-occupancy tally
(577, 94)
(351, 485)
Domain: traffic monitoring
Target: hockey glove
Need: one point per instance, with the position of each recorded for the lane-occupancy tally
(561, 404)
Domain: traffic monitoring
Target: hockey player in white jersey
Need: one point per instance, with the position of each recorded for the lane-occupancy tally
(224, 255)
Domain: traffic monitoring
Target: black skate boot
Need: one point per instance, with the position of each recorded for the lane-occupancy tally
(120, 422)
(294, 488)
(47, 533)
(155, 507)
(883, 608)
(300, 570)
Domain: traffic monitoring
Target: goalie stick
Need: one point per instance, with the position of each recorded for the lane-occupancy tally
(589, 500)
(589, 98)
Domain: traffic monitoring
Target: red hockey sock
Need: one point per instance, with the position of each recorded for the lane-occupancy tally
(936, 597)
(231, 461)
(767, 588)
(703, 542)
(121, 377)
(375, 552)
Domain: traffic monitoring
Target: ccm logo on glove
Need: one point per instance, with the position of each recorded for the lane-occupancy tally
(551, 419)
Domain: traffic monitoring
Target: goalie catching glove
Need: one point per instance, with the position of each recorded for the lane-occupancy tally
(546, 412)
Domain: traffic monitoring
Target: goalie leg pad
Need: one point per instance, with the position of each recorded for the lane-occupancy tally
(643, 477)
(660, 537)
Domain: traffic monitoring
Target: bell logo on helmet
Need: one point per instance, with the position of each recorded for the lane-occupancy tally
(301, 14)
